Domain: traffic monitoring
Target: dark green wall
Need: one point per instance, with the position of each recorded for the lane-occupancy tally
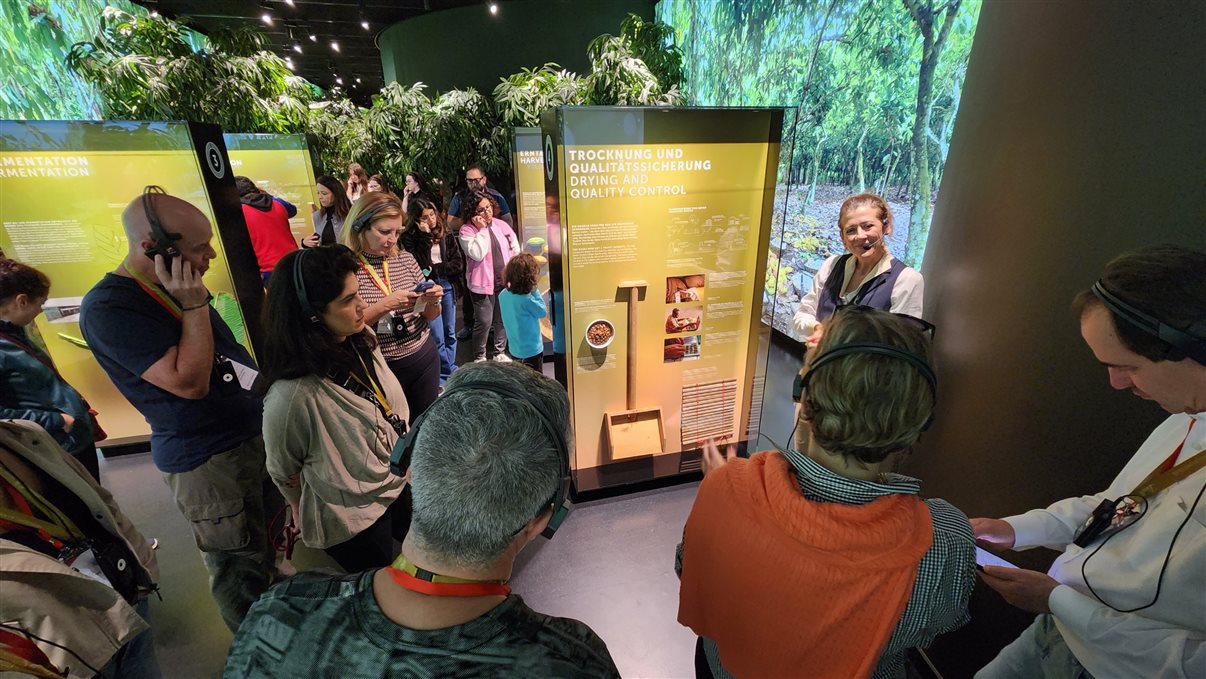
(435, 48)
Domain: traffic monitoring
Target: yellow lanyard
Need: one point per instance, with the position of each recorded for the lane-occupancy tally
(385, 285)
(372, 385)
(60, 526)
(165, 300)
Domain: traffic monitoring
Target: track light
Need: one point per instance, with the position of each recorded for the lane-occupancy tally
(357, 79)
(339, 80)
(494, 8)
(266, 18)
(334, 45)
(313, 38)
(364, 23)
(290, 3)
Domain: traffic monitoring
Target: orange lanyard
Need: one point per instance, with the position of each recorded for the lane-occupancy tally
(165, 300)
(410, 576)
(383, 285)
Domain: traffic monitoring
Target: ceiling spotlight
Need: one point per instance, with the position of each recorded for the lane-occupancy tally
(334, 45)
(313, 38)
(494, 8)
(266, 18)
(357, 79)
(289, 63)
(339, 80)
(364, 24)
(289, 2)
(297, 47)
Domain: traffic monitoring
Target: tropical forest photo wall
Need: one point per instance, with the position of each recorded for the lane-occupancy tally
(875, 85)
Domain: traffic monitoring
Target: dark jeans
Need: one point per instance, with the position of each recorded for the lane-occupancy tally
(419, 374)
(373, 547)
(487, 318)
(535, 362)
(135, 660)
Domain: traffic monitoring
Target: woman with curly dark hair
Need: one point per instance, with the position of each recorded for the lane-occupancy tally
(333, 411)
(522, 307)
(489, 243)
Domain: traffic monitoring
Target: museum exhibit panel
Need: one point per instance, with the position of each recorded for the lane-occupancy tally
(65, 185)
(659, 221)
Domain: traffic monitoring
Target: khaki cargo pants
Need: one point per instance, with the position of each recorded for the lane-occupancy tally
(229, 502)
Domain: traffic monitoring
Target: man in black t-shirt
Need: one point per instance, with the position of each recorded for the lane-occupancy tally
(151, 328)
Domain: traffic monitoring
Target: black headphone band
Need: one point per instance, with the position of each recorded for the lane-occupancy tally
(1193, 346)
(400, 457)
(299, 285)
(164, 240)
(919, 363)
(365, 218)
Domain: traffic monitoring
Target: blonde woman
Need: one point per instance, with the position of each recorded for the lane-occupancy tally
(401, 301)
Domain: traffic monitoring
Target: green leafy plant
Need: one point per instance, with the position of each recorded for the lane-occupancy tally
(145, 68)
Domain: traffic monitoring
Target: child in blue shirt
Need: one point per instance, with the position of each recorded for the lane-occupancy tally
(522, 308)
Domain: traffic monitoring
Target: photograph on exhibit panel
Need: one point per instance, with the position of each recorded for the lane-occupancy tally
(684, 289)
(685, 318)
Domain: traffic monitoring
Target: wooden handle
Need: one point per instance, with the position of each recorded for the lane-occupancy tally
(633, 294)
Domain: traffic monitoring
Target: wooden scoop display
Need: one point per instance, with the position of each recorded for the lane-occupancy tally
(633, 432)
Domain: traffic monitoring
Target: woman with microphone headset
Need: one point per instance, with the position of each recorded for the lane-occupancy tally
(401, 300)
(333, 411)
(866, 275)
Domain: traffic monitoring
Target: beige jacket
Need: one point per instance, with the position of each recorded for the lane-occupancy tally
(53, 600)
(339, 444)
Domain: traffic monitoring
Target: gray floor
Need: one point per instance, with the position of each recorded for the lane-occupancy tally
(610, 565)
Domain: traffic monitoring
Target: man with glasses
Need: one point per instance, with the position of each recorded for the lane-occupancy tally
(476, 180)
(1127, 598)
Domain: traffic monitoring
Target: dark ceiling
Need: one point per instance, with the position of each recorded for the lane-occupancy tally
(329, 21)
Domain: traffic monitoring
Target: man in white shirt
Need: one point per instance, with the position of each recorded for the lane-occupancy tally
(1130, 600)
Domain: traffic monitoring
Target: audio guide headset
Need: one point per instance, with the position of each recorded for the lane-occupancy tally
(299, 284)
(878, 349)
(365, 218)
(165, 241)
(399, 459)
(1193, 346)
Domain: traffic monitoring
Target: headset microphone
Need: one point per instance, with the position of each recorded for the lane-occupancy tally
(870, 244)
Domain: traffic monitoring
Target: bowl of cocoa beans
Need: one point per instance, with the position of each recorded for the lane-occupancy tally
(600, 333)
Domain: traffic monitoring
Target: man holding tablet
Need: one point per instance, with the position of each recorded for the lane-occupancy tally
(1127, 598)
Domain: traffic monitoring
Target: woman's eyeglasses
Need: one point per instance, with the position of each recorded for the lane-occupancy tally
(484, 211)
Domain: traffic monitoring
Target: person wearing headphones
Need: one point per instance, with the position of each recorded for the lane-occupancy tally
(333, 411)
(401, 300)
(1127, 598)
(825, 562)
(151, 328)
(866, 275)
(484, 487)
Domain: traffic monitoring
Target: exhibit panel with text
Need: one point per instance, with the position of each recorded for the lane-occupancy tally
(63, 188)
(527, 162)
(664, 218)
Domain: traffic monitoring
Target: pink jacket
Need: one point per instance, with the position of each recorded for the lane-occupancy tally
(480, 265)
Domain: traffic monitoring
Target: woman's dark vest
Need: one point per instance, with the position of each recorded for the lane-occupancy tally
(875, 292)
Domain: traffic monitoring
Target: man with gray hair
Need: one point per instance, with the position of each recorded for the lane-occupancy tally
(487, 462)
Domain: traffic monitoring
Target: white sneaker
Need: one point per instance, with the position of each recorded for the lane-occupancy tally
(502, 358)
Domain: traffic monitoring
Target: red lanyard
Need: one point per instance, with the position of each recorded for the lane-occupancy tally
(165, 300)
(1176, 454)
(385, 285)
(410, 576)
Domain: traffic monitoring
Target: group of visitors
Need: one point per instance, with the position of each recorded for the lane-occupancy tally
(818, 560)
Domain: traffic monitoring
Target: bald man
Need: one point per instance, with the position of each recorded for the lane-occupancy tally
(150, 326)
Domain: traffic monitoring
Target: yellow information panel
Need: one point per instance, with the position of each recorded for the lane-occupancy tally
(63, 187)
(279, 164)
(664, 217)
(527, 159)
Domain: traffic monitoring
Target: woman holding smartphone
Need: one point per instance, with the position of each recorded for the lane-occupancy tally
(401, 301)
(438, 253)
(328, 215)
(333, 411)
